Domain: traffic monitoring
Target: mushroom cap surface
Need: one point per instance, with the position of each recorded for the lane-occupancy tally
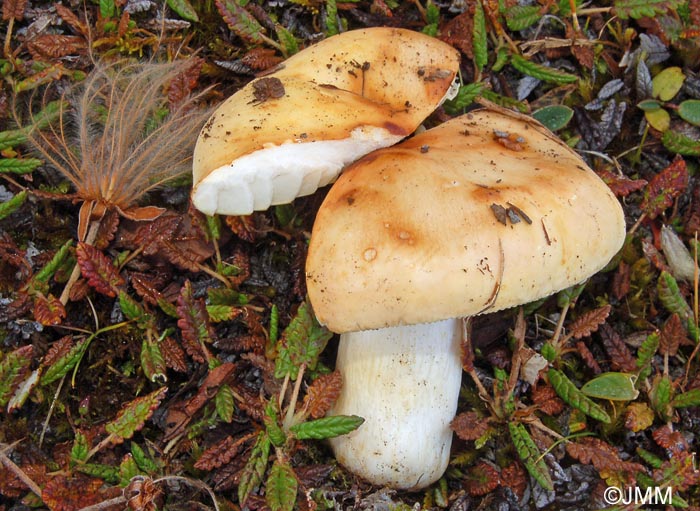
(291, 131)
(484, 212)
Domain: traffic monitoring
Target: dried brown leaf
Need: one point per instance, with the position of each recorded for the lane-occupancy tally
(58, 349)
(55, 46)
(184, 83)
(173, 354)
(621, 359)
(665, 187)
(99, 271)
(146, 287)
(670, 439)
(457, 32)
(622, 282)
(547, 400)
(604, 457)
(223, 452)
(194, 323)
(481, 479)
(261, 58)
(149, 236)
(108, 229)
(515, 477)
(322, 393)
(589, 322)
(671, 336)
(71, 19)
(588, 357)
(13, 9)
(469, 426)
(70, 493)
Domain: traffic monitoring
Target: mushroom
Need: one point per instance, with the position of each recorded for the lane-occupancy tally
(287, 133)
(484, 212)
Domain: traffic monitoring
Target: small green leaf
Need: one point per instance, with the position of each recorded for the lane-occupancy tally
(465, 97)
(549, 352)
(667, 83)
(649, 105)
(254, 470)
(566, 390)
(689, 110)
(225, 403)
(184, 9)
(327, 427)
(152, 361)
(520, 17)
(18, 165)
(127, 469)
(331, 19)
(672, 299)
(545, 73)
(480, 39)
(66, 363)
(530, 455)
(554, 117)
(144, 462)
(132, 417)
(130, 308)
(107, 8)
(613, 386)
(12, 138)
(57, 260)
(636, 9)
(10, 206)
(281, 487)
(107, 472)
(240, 21)
(647, 350)
(272, 423)
(81, 448)
(659, 119)
(289, 42)
(686, 399)
(660, 396)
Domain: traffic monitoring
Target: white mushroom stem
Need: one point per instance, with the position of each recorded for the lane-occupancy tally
(405, 382)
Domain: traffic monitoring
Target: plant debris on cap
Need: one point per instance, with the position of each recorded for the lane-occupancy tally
(497, 213)
(292, 131)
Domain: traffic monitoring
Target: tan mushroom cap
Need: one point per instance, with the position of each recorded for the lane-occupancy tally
(484, 212)
(369, 87)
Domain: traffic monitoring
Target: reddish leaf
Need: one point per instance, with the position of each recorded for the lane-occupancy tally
(48, 310)
(133, 415)
(481, 479)
(108, 228)
(670, 439)
(13, 9)
(469, 426)
(194, 323)
(98, 270)
(621, 281)
(671, 336)
(58, 349)
(621, 185)
(621, 358)
(458, 32)
(149, 236)
(240, 21)
(182, 85)
(514, 477)
(55, 46)
(260, 58)
(665, 187)
(64, 493)
(589, 322)
(604, 457)
(69, 17)
(547, 400)
(173, 354)
(588, 357)
(583, 53)
(322, 393)
(222, 452)
(146, 288)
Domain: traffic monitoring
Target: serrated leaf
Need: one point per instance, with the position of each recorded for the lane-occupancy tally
(686, 399)
(589, 322)
(660, 396)
(127, 469)
(272, 424)
(667, 83)
(18, 165)
(672, 299)
(664, 188)
(48, 310)
(646, 351)
(65, 363)
(541, 72)
(302, 342)
(573, 396)
(225, 403)
(638, 417)
(689, 110)
(243, 24)
(520, 17)
(554, 117)
(143, 461)
(81, 448)
(465, 97)
(194, 323)
(327, 427)
(184, 9)
(613, 386)
(108, 473)
(530, 455)
(680, 144)
(57, 260)
(10, 206)
(133, 415)
(331, 18)
(12, 138)
(480, 37)
(636, 9)
(281, 487)
(13, 366)
(152, 361)
(289, 42)
(322, 393)
(254, 470)
(98, 269)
